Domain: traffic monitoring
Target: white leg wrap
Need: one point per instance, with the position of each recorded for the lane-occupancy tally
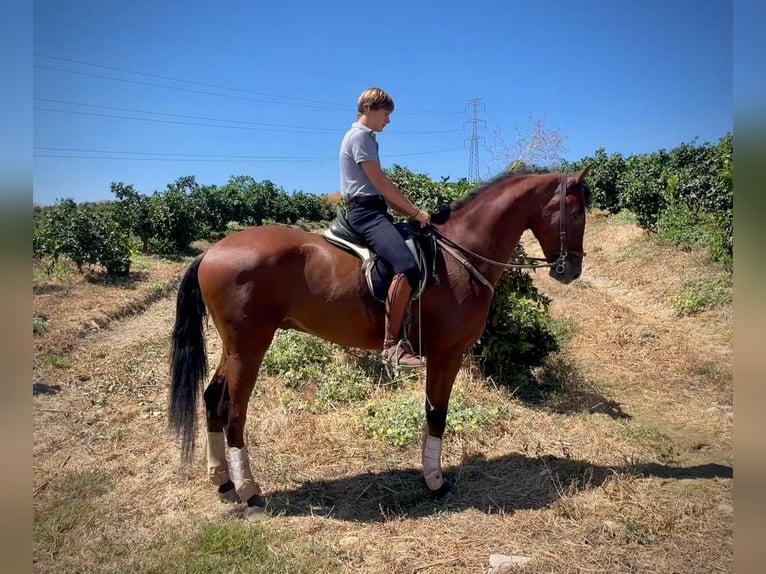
(239, 468)
(217, 469)
(432, 466)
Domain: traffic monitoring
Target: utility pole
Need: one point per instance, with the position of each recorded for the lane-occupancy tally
(473, 154)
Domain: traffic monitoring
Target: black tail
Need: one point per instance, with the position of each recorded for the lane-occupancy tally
(188, 360)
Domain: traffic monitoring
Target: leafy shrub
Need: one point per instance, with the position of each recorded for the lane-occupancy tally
(344, 385)
(682, 228)
(175, 217)
(297, 358)
(132, 212)
(643, 183)
(698, 177)
(399, 420)
(311, 207)
(85, 233)
(720, 244)
(602, 179)
(626, 216)
(427, 194)
(518, 335)
(234, 227)
(702, 294)
(702, 175)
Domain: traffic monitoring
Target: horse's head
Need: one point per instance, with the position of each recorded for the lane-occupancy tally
(560, 228)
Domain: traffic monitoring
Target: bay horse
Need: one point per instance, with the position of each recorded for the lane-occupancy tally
(272, 277)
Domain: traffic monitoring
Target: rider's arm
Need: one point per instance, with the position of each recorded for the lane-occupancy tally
(391, 193)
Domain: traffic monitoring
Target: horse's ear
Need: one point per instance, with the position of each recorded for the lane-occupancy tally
(578, 176)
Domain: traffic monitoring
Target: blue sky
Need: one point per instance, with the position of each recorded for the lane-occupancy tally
(145, 92)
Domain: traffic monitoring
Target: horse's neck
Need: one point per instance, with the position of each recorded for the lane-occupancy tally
(492, 224)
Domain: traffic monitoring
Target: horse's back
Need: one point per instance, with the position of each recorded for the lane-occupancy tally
(255, 248)
(261, 240)
(288, 278)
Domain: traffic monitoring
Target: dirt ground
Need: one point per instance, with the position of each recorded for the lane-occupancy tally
(629, 471)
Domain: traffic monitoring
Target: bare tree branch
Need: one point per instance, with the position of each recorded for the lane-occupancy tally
(534, 144)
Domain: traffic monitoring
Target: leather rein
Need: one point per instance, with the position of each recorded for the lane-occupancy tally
(454, 249)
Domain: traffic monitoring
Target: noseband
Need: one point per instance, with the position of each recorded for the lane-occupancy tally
(559, 264)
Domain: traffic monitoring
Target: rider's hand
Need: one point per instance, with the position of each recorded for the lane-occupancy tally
(423, 218)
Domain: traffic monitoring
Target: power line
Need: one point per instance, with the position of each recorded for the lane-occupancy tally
(264, 127)
(196, 83)
(302, 129)
(175, 154)
(186, 90)
(305, 103)
(76, 153)
(187, 159)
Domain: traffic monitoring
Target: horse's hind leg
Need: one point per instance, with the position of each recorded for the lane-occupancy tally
(216, 398)
(241, 374)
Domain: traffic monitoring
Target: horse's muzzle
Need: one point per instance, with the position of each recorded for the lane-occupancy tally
(568, 270)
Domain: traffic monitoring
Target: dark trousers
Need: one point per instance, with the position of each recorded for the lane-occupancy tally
(373, 222)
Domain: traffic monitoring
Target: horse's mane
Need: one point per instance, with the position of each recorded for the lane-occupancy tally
(445, 212)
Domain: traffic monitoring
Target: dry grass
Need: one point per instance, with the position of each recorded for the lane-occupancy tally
(626, 469)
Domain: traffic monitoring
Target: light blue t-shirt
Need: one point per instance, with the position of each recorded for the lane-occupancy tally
(359, 144)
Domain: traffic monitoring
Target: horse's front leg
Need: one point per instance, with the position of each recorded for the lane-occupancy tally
(440, 377)
(216, 403)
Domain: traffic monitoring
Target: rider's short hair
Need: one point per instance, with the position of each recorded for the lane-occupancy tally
(374, 99)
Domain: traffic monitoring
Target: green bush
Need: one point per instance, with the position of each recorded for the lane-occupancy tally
(297, 358)
(682, 228)
(85, 233)
(427, 194)
(518, 335)
(399, 419)
(702, 294)
(344, 385)
(721, 241)
(175, 217)
(643, 183)
(300, 359)
(697, 177)
(603, 178)
(132, 212)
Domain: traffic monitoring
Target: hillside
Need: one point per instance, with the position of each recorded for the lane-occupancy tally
(627, 468)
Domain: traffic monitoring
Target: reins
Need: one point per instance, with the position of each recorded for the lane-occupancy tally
(451, 247)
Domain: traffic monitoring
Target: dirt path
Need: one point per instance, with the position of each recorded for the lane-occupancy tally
(669, 373)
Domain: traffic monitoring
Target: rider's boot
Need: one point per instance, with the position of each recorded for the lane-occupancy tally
(398, 352)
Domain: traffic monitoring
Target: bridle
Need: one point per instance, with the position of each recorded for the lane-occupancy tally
(559, 264)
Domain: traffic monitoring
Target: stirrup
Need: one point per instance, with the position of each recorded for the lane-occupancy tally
(392, 356)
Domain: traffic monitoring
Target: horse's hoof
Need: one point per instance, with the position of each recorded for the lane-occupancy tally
(227, 493)
(229, 497)
(255, 513)
(256, 508)
(443, 490)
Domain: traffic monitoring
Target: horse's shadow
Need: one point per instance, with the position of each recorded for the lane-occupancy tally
(500, 485)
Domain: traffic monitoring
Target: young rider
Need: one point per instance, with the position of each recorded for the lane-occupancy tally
(369, 194)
